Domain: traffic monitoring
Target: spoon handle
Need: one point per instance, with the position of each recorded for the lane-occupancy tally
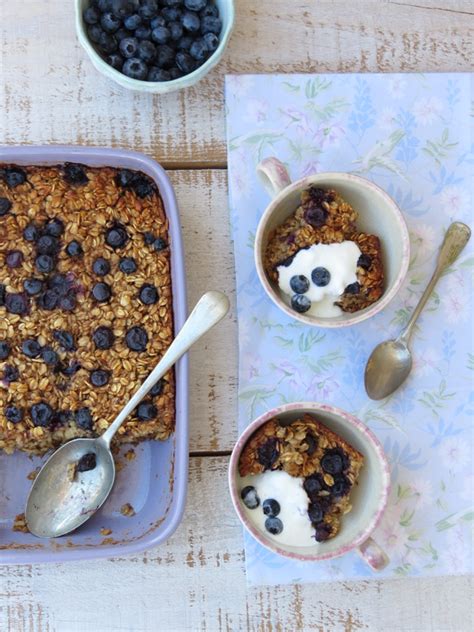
(209, 310)
(456, 238)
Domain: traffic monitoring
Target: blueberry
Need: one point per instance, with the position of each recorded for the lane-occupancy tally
(364, 261)
(95, 33)
(3, 293)
(31, 232)
(104, 5)
(59, 283)
(320, 276)
(299, 284)
(83, 418)
(159, 20)
(159, 244)
(10, 373)
(271, 507)
(49, 356)
(124, 178)
(65, 339)
(143, 186)
(146, 411)
(13, 414)
(274, 525)
(128, 47)
(122, 8)
(63, 417)
(164, 56)
(313, 485)
(5, 206)
(148, 294)
(209, 9)
(212, 41)
(148, 9)
(41, 414)
(110, 22)
(160, 35)
(146, 51)
(312, 442)
(101, 266)
(157, 389)
(75, 173)
(250, 497)
(332, 462)
(48, 300)
(14, 176)
(31, 348)
(148, 238)
(135, 68)
(132, 22)
(211, 24)
(185, 43)
(44, 263)
(68, 303)
(107, 43)
(315, 216)
(17, 303)
(171, 14)
(323, 532)
(101, 292)
(127, 265)
(300, 303)
(172, 3)
(158, 74)
(103, 337)
(185, 62)
(198, 50)
(122, 34)
(191, 22)
(99, 377)
(176, 31)
(115, 60)
(136, 339)
(70, 369)
(352, 288)
(87, 462)
(74, 249)
(90, 15)
(116, 237)
(54, 227)
(4, 349)
(195, 5)
(175, 73)
(341, 486)
(268, 453)
(315, 512)
(14, 258)
(32, 286)
(47, 245)
(142, 32)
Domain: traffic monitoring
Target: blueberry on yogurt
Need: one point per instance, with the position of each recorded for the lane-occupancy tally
(300, 303)
(299, 284)
(321, 276)
(250, 497)
(274, 525)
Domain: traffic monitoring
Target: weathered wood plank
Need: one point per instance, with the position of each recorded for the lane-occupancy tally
(50, 92)
(202, 198)
(196, 582)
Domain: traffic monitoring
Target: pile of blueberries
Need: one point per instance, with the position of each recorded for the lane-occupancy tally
(270, 507)
(154, 40)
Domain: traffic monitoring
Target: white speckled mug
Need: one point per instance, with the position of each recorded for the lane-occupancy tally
(378, 215)
(368, 498)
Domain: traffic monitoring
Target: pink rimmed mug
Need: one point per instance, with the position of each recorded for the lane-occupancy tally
(378, 215)
(368, 497)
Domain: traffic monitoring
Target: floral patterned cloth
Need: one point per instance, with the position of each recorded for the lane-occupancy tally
(411, 135)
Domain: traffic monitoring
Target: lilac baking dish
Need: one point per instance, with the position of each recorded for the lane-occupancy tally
(155, 482)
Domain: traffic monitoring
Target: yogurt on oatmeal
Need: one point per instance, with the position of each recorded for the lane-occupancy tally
(277, 505)
(317, 276)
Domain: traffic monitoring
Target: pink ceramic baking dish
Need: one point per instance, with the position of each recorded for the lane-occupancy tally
(155, 482)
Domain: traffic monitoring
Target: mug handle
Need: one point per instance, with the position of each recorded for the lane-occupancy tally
(273, 175)
(373, 554)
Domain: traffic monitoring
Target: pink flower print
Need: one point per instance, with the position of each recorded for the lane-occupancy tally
(309, 168)
(454, 200)
(329, 136)
(257, 111)
(427, 110)
(454, 453)
(391, 535)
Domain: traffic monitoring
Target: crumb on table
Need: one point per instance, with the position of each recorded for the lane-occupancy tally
(20, 523)
(104, 531)
(130, 455)
(127, 510)
(32, 475)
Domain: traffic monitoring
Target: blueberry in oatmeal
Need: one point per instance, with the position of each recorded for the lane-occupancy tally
(83, 418)
(103, 337)
(136, 339)
(74, 249)
(101, 266)
(101, 292)
(31, 348)
(13, 414)
(146, 411)
(14, 258)
(99, 377)
(148, 294)
(4, 350)
(41, 414)
(5, 206)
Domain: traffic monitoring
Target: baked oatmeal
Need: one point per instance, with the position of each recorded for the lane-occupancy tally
(85, 304)
(348, 277)
(312, 472)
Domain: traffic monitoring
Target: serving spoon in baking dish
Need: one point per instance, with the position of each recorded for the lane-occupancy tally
(77, 479)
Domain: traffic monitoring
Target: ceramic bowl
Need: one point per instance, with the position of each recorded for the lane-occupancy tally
(378, 214)
(368, 498)
(226, 11)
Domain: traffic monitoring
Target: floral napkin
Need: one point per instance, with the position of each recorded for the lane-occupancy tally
(412, 135)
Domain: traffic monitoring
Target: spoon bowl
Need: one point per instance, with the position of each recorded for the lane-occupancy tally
(387, 368)
(77, 495)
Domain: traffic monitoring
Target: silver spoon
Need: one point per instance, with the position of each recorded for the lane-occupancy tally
(61, 498)
(390, 362)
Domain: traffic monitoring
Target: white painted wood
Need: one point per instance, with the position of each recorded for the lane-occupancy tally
(196, 582)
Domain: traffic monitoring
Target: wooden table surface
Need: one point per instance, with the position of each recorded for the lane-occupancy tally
(50, 93)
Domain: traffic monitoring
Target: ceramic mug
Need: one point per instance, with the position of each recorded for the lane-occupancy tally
(378, 215)
(368, 497)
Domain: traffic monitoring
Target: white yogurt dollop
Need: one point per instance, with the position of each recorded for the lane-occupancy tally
(339, 259)
(289, 493)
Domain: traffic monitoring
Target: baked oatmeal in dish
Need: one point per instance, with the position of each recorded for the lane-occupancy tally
(296, 480)
(319, 259)
(85, 304)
